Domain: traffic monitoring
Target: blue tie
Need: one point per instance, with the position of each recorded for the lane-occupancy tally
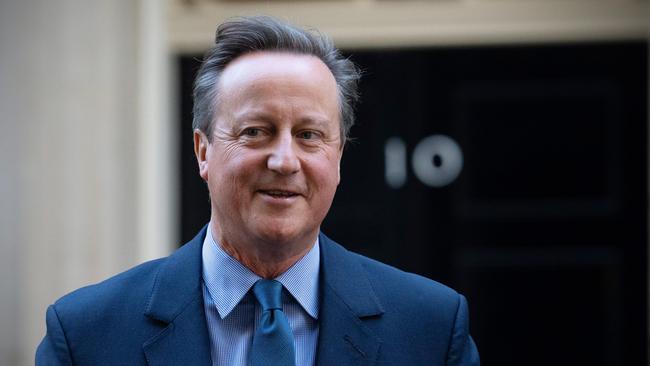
(273, 339)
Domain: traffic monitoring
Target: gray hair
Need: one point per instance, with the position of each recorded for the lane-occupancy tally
(239, 36)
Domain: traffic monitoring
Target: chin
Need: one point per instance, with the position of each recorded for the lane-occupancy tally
(281, 233)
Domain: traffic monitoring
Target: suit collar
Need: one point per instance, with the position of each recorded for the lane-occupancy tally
(180, 275)
(347, 300)
(176, 302)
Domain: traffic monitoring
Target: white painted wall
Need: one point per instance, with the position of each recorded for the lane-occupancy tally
(77, 131)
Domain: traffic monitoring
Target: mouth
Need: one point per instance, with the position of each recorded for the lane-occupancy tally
(278, 193)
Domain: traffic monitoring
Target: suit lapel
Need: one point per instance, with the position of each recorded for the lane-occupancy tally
(176, 302)
(347, 300)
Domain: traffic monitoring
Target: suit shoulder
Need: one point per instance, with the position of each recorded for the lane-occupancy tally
(409, 287)
(131, 285)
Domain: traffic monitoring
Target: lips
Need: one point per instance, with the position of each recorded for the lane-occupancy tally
(279, 193)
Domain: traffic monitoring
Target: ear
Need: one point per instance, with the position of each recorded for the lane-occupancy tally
(338, 168)
(338, 173)
(201, 151)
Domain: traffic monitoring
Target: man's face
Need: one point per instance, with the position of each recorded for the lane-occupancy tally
(272, 167)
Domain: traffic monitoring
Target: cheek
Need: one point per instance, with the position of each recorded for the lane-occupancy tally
(235, 173)
(227, 190)
(325, 175)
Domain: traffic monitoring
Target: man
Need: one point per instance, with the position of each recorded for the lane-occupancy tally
(260, 285)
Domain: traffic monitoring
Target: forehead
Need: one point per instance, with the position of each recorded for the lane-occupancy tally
(272, 67)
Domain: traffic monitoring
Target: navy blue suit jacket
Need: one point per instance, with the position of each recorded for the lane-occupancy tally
(371, 314)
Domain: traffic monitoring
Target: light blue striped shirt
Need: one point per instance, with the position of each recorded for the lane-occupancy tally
(233, 313)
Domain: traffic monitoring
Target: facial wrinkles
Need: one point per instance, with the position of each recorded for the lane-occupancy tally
(283, 96)
(323, 138)
(275, 107)
(227, 140)
(232, 147)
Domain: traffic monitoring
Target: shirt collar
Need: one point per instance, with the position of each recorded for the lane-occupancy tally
(228, 281)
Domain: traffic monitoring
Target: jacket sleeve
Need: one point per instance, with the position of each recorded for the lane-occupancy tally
(462, 349)
(53, 349)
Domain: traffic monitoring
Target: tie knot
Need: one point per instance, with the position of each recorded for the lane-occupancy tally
(268, 294)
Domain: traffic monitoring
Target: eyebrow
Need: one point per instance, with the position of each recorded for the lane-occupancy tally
(321, 122)
(257, 115)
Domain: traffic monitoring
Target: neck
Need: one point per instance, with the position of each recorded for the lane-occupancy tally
(266, 259)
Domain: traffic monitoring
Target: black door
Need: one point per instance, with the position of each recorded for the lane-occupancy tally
(516, 175)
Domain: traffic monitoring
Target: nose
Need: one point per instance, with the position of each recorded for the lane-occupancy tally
(283, 158)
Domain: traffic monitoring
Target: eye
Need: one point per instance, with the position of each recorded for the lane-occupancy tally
(252, 132)
(307, 135)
